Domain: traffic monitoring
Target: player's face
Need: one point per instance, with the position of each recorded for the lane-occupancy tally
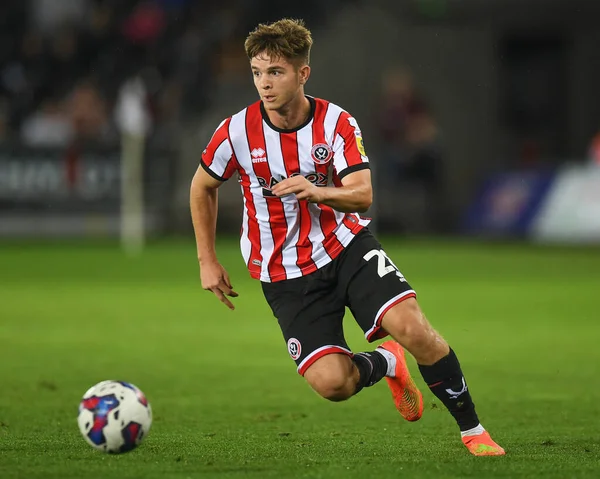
(277, 80)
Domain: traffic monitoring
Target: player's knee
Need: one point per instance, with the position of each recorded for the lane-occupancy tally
(331, 378)
(334, 387)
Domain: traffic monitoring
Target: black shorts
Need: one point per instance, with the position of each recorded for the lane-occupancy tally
(310, 309)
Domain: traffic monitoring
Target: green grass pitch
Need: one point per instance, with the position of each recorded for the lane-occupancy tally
(226, 398)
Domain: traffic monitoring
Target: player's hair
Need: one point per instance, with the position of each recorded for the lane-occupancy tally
(286, 38)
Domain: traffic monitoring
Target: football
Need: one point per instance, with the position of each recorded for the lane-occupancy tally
(114, 416)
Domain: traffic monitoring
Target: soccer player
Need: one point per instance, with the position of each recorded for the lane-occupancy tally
(304, 176)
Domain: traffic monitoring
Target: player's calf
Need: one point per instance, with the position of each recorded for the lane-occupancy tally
(441, 370)
(438, 364)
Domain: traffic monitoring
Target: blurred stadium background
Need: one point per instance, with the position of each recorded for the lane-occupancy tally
(482, 123)
(471, 110)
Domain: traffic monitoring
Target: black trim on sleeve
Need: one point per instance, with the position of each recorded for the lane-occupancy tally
(351, 169)
(212, 173)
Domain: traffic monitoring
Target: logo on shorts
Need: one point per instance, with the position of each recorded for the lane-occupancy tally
(294, 348)
(321, 153)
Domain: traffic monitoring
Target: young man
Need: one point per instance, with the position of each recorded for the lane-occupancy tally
(304, 175)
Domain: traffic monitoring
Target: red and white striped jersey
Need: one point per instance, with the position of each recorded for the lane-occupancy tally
(283, 238)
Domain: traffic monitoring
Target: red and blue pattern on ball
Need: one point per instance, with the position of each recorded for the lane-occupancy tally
(139, 394)
(101, 408)
(130, 435)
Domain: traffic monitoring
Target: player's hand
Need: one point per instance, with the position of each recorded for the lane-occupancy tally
(214, 278)
(300, 186)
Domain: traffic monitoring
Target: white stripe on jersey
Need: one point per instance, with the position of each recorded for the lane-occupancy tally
(266, 236)
(340, 159)
(245, 244)
(290, 204)
(331, 119)
(223, 151)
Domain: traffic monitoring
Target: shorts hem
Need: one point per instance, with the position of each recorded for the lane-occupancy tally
(319, 353)
(376, 330)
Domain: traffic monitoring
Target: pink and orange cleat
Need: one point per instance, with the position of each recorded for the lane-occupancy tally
(482, 445)
(407, 397)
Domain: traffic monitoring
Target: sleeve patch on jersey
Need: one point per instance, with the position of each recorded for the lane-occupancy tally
(360, 144)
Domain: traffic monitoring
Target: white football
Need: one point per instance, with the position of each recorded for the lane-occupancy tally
(114, 416)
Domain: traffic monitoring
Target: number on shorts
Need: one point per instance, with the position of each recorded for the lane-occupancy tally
(383, 268)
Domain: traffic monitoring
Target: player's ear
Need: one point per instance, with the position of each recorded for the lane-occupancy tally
(304, 72)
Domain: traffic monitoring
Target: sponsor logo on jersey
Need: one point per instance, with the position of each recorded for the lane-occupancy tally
(317, 179)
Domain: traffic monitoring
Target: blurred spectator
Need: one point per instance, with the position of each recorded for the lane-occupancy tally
(88, 113)
(131, 112)
(408, 131)
(400, 101)
(82, 51)
(49, 126)
(424, 162)
(145, 24)
(412, 154)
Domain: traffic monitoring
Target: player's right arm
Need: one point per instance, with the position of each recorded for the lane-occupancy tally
(216, 166)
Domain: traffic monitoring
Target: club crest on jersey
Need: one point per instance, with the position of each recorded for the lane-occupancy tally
(321, 153)
(294, 348)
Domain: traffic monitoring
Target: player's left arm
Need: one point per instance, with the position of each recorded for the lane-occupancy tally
(354, 196)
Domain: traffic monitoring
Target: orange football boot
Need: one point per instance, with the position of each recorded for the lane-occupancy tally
(407, 397)
(482, 445)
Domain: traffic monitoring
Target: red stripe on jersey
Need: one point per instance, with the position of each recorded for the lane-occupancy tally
(327, 218)
(346, 131)
(277, 219)
(304, 247)
(255, 260)
(336, 180)
(231, 167)
(328, 223)
(351, 222)
(219, 136)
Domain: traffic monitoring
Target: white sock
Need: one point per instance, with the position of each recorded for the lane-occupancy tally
(476, 431)
(391, 362)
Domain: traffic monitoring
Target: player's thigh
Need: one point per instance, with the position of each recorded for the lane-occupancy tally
(310, 317)
(375, 286)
